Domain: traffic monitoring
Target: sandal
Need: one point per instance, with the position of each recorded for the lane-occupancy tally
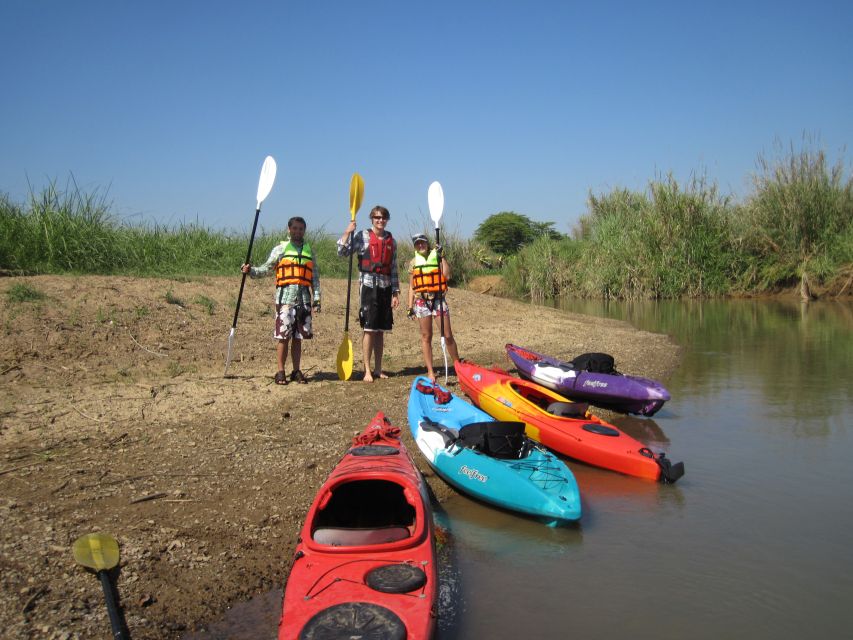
(280, 378)
(297, 376)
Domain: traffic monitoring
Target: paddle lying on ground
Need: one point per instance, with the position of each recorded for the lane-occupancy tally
(344, 360)
(435, 197)
(99, 552)
(264, 186)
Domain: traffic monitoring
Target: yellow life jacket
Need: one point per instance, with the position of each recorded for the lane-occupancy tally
(296, 266)
(426, 276)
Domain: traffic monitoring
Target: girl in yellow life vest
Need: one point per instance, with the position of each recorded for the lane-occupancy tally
(297, 284)
(427, 286)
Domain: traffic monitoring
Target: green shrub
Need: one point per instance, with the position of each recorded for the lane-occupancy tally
(22, 292)
(798, 221)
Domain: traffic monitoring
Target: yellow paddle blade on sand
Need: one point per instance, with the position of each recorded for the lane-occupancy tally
(344, 359)
(97, 551)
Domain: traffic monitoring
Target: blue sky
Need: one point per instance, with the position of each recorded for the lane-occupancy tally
(512, 106)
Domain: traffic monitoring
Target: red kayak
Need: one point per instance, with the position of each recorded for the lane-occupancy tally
(566, 427)
(365, 564)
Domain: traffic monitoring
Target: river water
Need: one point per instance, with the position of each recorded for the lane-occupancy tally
(755, 541)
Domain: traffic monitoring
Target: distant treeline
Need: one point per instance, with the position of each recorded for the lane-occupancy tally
(673, 240)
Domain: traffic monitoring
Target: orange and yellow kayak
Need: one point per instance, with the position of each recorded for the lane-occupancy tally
(566, 427)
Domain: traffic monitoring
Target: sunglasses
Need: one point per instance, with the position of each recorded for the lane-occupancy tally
(378, 217)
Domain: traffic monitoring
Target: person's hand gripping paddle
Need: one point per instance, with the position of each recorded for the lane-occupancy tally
(344, 359)
(435, 197)
(264, 186)
(99, 552)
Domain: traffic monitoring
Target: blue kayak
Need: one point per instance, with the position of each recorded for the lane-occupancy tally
(490, 460)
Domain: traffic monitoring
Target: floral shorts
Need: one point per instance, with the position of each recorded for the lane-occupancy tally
(424, 308)
(292, 321)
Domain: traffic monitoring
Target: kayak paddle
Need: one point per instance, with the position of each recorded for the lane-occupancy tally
(435, 197)
(344, 360)
(264, 186)
(99, 552)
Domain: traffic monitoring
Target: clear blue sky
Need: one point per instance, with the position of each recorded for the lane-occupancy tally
(521, 106)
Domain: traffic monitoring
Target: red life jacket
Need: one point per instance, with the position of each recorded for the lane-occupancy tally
(378, 258)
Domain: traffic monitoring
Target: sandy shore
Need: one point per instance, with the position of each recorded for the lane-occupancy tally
(115, 417)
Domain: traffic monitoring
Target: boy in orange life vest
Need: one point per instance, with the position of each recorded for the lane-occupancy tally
(427, 281)
(380, 285)
(297, 282)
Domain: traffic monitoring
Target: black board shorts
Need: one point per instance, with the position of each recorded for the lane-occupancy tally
(375, 312)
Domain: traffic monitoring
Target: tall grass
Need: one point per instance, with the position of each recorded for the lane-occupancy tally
(669, 242)
(690, 241)
(68, 231)
(798, 222)
(543, 269)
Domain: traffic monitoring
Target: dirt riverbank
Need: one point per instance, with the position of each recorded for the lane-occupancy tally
(115, 417)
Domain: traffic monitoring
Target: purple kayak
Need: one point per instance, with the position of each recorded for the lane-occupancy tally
(575, 380)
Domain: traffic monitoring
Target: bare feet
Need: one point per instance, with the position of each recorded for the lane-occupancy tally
(381, 375)
(368, 377)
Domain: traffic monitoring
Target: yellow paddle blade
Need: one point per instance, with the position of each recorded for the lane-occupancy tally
(356, 194)
(344, 362)
(97, 551)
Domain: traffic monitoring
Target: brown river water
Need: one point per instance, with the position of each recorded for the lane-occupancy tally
(753, 542)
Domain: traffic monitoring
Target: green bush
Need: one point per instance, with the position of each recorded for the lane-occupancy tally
(798, 221)
(543, 269)
(22, 292)
(668, 242)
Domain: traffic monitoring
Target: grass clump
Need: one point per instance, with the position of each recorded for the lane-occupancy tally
(543, 269)
(206, 303)
(171, 298)
(668, 242)
(798, 223)
(23, 292)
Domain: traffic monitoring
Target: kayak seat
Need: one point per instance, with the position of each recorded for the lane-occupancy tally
(447, 434)
(499, 439)
(568, 409)
(346, 537)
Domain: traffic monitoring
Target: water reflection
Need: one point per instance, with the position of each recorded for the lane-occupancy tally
(646, 430)
(796, 355)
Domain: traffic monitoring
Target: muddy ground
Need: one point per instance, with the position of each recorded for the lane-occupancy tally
(115, 416)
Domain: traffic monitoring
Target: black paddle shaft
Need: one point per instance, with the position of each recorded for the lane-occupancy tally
(248, 261)
(349, 282)
(116, 620)
(439, 294)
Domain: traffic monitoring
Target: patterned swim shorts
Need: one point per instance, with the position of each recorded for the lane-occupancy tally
(424, 308)
(292, 321)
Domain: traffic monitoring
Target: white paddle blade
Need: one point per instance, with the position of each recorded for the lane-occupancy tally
(267, 179)
(230, 347)
(435, 197)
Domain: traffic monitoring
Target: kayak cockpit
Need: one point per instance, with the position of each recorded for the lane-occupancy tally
(363, 513)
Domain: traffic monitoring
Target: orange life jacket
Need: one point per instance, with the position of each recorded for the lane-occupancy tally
(296, 266)
(426, 275)
(378, 257)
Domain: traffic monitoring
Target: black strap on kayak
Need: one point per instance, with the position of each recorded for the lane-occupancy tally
(449, 435)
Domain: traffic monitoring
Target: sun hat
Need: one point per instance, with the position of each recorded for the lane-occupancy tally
(419, 237)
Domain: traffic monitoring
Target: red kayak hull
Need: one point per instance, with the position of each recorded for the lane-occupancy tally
(365, 562)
